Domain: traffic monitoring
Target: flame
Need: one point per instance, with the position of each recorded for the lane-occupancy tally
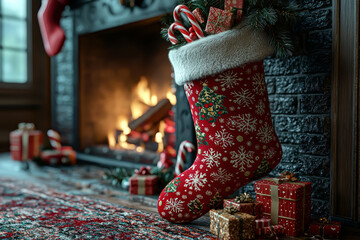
(123, 125)
(171, 96)
(159, 140)
(111, 140)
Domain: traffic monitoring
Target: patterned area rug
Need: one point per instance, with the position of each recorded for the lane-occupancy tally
(30, 211)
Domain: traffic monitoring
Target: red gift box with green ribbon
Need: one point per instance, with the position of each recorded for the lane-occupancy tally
(327, 230)
(143, 182)
(219, 21)
(25, 142)
(254, 209)
(286, 203)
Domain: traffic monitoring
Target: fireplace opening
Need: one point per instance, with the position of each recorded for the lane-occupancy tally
(126, 94)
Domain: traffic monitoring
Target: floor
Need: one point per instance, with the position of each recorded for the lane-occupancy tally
(86, 180)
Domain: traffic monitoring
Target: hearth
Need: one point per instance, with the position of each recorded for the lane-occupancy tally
(113, 94)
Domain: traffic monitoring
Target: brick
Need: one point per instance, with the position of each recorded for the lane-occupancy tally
(315, 166)
(301, 124)
(300, 84)
(320, 187)
(270, 82)
(283, 104)
(314, 20)
(290, 154)
(280, 67)
(314, 4)
(320, 208)
(319, 40)
(317, 63)
(316, 104)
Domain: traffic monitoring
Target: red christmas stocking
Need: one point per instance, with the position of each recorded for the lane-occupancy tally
(49, 17)
(224, 82)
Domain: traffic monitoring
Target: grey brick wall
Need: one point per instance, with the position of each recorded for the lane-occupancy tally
(299, 91)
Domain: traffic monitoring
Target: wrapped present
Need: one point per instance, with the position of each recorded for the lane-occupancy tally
(260, 224)
(232, 226)
(143, 183)
(273, 230)
(219, 21)
(254, 209)
(25, 142)
(235, 6)
(65, 156)
(286, 203)
(199, 15)
(327, 230)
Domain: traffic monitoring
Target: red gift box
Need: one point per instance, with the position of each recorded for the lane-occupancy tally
(260, 224)
(143, 184)
(254, 209)
(287, 204)
(277, 230)
(230, 5)
(219, 21)
(25, 144)
(329, 230)
(66, 155)
(199, 15)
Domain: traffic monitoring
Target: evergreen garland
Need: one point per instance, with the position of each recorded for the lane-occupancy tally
(274, 17)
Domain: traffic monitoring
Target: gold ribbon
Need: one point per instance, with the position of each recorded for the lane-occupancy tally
(25, 145)
(141, 184)
(275, 200)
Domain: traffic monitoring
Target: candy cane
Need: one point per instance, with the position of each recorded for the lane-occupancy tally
(195, 24)
(54, 138)
(189, 147)
(182, 29)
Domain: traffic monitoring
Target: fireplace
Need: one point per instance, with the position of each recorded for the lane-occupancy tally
(112, 76)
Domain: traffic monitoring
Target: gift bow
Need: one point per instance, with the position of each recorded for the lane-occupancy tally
(143, 171)
(26, 126)
(288, 177)
(244, 198)
(324, 220)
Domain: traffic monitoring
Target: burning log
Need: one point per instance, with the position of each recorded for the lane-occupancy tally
(151, 117)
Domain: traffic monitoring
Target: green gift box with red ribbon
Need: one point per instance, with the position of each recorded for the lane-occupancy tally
(286, 203)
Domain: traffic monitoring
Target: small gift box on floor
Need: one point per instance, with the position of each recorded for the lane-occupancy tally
(143, 183)
(25, 142)
(286, 203)
(273, 230)
(245, 204)
(326, 229)
(260, 224)
(232, 226)
(219, 21)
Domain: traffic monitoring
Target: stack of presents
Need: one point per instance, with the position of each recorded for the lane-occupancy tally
(282, 208)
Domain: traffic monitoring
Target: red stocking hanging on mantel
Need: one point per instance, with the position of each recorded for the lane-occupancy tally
(49, 17)
(223, 76)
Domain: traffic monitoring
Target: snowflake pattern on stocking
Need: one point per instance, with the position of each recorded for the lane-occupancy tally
(245, 123)
(243, 97)
(196, 180)
(258, 83)
(266, 133)
(223, 138)
(260, 108)
(228, 79)
(221, 175)
(242, 158)
(174, 205)
(211, 158)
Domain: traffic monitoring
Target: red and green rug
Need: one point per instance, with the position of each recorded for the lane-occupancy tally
(29, 211)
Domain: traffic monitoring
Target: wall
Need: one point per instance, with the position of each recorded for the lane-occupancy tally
(299, 91)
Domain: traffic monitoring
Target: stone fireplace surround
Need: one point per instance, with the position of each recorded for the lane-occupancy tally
(299, 86)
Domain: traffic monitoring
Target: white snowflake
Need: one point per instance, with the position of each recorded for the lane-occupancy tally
(260, 108)
(265, 133)
(211, 158)
(223, 138)
(242, 158)
(196, 181)
(245, 123)
(221, 176)
(269, 153)
(229, 79)
(258, 82)
(174, 205)
(243, 97)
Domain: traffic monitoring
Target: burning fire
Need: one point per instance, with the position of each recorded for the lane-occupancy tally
(141, 101)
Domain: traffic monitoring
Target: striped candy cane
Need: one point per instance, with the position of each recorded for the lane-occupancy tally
(54, 138)
(195, 24)
(184, 146)
(182, 29)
